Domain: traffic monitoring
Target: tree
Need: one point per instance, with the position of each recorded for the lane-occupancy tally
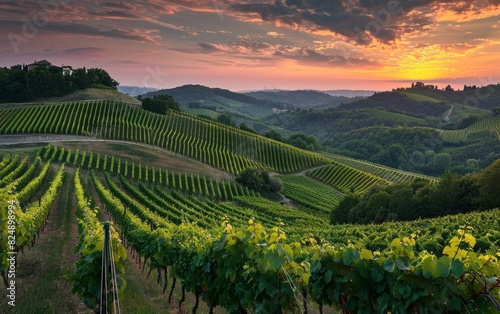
(489, 186)
(245, 127)
(340, 214)
(101, 77)
(303, 141)
(272, 134)
(160, 104)
(401, 203)
(441, 163)
(80, 78)
(467, 121)
(226, 119)
(259, 180)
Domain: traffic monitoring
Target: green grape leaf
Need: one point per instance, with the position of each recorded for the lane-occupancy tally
(428, 267)
(356, 256)
(328, 276)
(389, 266)
(401, 265)
(377, 274)
(457, 268)
(347, 256)
(366, 254)
(443, 266)
(219, 245)
(469, 239)
(275, 259)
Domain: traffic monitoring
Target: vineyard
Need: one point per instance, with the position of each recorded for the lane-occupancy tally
(489, 124)
(227, 246)
(345, 178)
(311, 194)
(390, 174)
(220, 146)
(252, 254)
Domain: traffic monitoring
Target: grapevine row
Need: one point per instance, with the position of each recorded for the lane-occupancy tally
(311, 194)
(189, 183)
(345, 178)
(390, 174)
(490, 123)
(86, 276)
(254, 269)
(223, 147)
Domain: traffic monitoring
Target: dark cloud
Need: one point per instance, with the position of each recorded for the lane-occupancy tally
(115, 14)
(16, 27)
(265, 52)
(359, 20)
(208, 48)
(309, 56)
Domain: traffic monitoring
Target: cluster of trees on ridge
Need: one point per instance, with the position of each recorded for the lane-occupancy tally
(20, 84)
(453, 194)
(160, 104)
(260, 180)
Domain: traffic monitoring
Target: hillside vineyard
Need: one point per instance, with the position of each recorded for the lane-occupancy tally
(225, 243)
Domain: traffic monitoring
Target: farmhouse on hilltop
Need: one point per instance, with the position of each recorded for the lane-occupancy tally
(65, 69)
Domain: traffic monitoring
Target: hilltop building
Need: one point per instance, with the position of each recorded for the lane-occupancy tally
(421, 85)
(65, 69)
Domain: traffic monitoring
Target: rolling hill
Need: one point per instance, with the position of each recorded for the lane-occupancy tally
(192, 98)
(300, 98)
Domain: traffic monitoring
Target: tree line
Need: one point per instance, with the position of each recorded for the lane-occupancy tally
(453, 194)
(19, 84)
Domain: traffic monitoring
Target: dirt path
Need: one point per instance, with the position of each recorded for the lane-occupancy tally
(447, 117)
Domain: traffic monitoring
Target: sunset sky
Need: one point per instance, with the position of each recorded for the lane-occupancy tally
(254, 44)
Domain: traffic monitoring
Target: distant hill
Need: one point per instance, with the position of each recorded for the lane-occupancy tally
(350, 92)
(400, 103)
(487, 97)
(300, 98)
(407, 129)
(136, 90)
(199, 99)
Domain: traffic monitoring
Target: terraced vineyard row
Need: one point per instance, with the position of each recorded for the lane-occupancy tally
(490, 123)
(390, 174)
(223, 147)
(345, 178)
(188, 183)
(311, 194)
